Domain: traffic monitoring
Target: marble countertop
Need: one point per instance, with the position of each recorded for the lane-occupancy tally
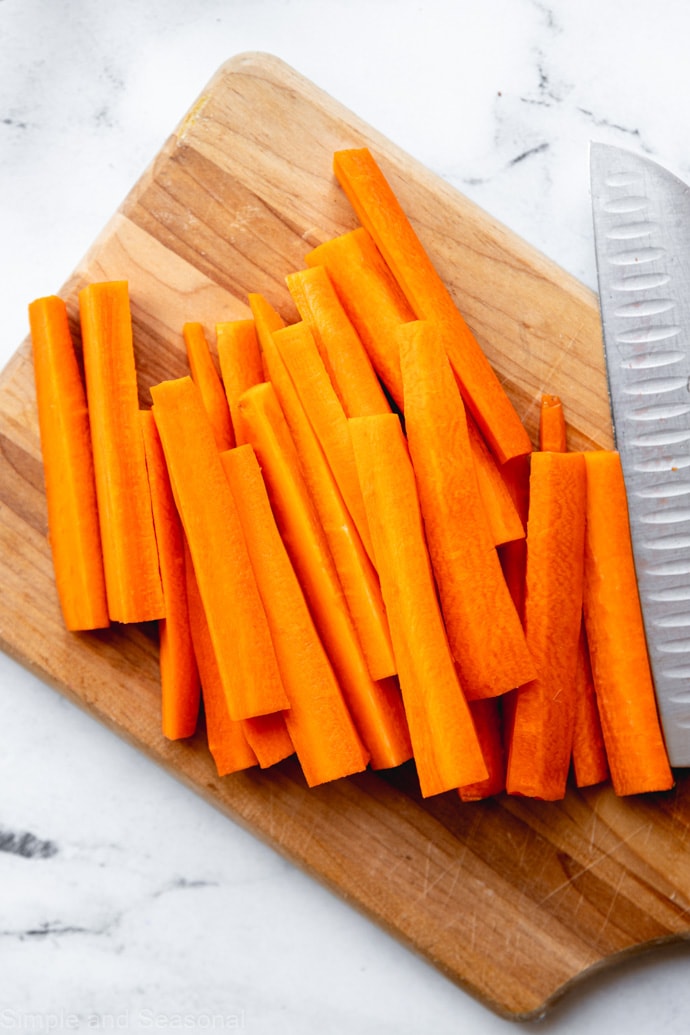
(126, 902)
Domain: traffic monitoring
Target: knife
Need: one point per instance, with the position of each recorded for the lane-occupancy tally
(641, 218)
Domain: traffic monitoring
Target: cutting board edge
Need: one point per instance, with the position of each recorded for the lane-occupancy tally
(561, 997)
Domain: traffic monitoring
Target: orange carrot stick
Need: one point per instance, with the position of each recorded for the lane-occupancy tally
(234, 744)
(446, 748)
(486, 715)
(375, 706)
(226, 736)
(371, 298)
(589, 754)
(239, 356)
(380, 211)
(484, 629)
(130, 557)
(513, 554)
(297, 349)
(73, 529)
(206, 376)
(269, 738)
(230, 596)
(347, 361)
(353, 564)
(540, 732)
(615, 633)
(501, 511)
(321, 728)
(180, 686)
(590, 765)
(552, 429)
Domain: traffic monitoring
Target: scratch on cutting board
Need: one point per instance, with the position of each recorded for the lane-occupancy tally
(560, 358)
(633, 835)
(594, 825)
(565, 349)
(614, 899)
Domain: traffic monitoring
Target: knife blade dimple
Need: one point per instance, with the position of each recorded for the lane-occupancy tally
(640, 282)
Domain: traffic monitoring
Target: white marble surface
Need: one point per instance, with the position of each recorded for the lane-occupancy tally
(125, 901)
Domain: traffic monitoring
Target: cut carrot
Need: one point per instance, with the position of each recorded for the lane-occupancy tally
(513, 554)
(484, 629)
(381, 213)
(540, 734)
(615, 633)
(552, 429)
(267, 320)
(226, 736)
(206, 377)
(269, 738)
(128, 539)
(321, 728)
(73, 528)
(298, 351)
(230, 596)
(501, 511)
(239, 356)
(486, 715)
(347, 361)
(590, 765)
(371, 298)
(589, 753)
(353, 564)
(180, 686)
(447, 752)
(375, 706)
(234, 744)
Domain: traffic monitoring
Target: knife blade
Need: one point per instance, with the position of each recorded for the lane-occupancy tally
(641, 215)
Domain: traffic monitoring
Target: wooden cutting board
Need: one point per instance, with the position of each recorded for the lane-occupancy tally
(513, 900)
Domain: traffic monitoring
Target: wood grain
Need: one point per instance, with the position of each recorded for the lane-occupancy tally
(515, 901)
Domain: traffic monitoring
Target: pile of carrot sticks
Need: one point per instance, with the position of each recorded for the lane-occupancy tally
(352, 549)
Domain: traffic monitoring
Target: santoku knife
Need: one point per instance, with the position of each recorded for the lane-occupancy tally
(642, 240)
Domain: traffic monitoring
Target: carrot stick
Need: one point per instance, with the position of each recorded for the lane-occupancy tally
(73, 529)
(128, 539)
(322, 731)
(180, 686)
(589, 754)
(590, 765)
(226, 737)
(206, 376)
(445, 744)
(501, 511)
(484, 629)
(375, 706)
(234, 744)
(229, 593)
(298, 351)
(541, 728)
(269, 738)
(552, 430)
(513, 554)
(486, 715)
(353, 564)
(615, 633)
(267, 320)
(380, 211)
(239, 356)
(371, 298)
(340, 346)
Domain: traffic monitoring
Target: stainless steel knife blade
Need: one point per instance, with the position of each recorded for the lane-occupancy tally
(642, 242)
